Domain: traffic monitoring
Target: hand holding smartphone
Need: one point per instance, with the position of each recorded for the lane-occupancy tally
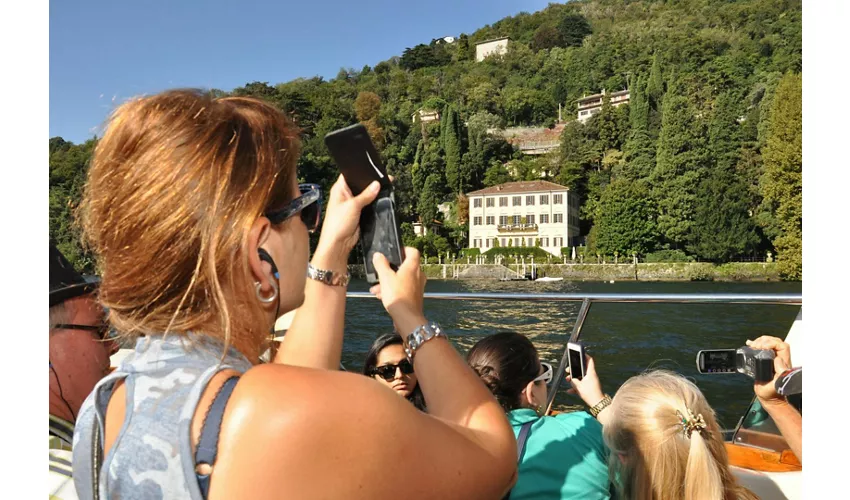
(360, 164)
(578, 360)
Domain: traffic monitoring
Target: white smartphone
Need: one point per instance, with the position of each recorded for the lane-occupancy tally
(578, 363)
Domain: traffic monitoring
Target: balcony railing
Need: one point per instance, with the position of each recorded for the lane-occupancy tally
(516, 228)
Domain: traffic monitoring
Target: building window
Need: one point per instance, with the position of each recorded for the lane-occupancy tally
(544, 199)
(503, 220)
(559, 218)
(476, 221)
(515, 219)
(557, 199)
(476, 202)
(517, 201)
(529, 200)
(530, 218)
(488, 242)
(491, 220)
(504, 242)
(503, 201)
(491, 202)
(531, 242)
(517, 242)
(544, 218)
(545, 242)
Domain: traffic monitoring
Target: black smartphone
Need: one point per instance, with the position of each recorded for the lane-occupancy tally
(360, 164)
(578, 362)
(717, 361)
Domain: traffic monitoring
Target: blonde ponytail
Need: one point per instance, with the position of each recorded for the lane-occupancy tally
(703, 480)
(666, 444)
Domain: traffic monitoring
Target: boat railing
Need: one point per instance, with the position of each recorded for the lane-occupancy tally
(588, 299)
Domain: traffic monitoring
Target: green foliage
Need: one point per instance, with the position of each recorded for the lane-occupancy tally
(68, 167)
(681, 163)
(782, 182)
(432, 245)
(522, 251)
(469, 252)
(573, 28)
(667, 256)
(626, 220)
(457, 178)
(723, 228)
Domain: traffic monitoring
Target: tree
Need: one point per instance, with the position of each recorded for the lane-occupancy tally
(496, 174)
(432, 195)
(573, 28)
(626, 219)
(69, 165)
(450, 139)
(367, 106)
(722, 229)
(654, 95)
(782, 182)
(680, 165)
(547, 36)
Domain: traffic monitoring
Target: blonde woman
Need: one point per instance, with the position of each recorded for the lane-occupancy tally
(664, 439)
(194, 210)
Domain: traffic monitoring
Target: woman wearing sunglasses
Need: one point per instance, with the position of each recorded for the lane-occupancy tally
(193, 209)
(387, 363)
(561, 456)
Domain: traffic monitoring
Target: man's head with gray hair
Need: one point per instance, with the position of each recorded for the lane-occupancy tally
(79, 356)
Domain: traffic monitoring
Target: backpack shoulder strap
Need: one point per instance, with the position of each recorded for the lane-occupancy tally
(207, 449)
(524, 432)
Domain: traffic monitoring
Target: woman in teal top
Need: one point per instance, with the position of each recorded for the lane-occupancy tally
(564, 455)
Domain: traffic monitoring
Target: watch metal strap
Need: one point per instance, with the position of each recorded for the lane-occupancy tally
(327, 277)
(421, 335)
(598, 407)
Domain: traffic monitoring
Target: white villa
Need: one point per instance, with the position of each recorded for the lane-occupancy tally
(491, 47)
(524, 214)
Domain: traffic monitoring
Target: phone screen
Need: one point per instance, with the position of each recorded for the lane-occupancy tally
(576, 363)
(717, 361)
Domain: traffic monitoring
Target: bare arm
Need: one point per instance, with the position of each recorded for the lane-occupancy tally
(787, 419)
(789, 422)
(452, 390)
(315, 337)
(589, 389)
(291, 432)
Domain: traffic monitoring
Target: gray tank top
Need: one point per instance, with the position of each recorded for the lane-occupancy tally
(152, 455)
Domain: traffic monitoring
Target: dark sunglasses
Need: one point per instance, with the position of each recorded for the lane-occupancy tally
(387, 372)
(102, 330)
(309, 205)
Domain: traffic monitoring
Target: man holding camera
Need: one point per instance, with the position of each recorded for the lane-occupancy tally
(787, 419)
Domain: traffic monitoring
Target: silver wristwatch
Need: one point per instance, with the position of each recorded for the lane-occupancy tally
(327, 277)
(421, 335)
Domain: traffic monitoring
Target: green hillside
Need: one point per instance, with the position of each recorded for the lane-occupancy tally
(705, 161)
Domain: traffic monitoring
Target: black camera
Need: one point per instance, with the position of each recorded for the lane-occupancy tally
(754, 363)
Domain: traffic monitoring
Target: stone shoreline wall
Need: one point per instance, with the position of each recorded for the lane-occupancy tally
(678, 271)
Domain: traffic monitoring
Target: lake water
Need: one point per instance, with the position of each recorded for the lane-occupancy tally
(624, 339)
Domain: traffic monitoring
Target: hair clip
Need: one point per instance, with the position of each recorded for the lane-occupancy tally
(690, 424)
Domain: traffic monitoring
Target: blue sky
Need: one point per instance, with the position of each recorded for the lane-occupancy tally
(102, 52)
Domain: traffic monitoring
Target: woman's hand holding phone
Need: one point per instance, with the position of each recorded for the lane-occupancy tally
(340, 229)
(589, 389)
(402, 292)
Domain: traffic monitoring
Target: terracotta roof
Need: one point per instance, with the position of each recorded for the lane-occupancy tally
(519, 187)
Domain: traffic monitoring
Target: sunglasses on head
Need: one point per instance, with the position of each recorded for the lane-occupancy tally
(546, 376)
(387, 372)
(308, 205)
